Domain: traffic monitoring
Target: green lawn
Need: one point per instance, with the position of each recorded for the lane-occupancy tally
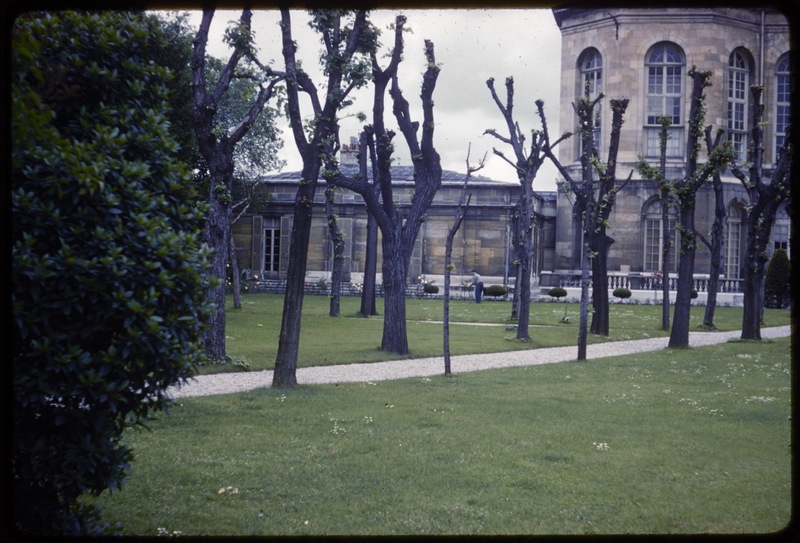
(674, 441)
(686, 441)
(252, 331)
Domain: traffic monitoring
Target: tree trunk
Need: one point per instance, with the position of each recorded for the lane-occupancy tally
(461, 212)
(337, 239)
(755, 269)
(751, 320)
(216, 235)
(716, 245)
(289, 338)
(583, 326)
(448, 252)
(600, 318)
(679, 336)
(368, 307)
(515, 242)
(236, 284)
(395, 336)
(666, 254)
(525, 256)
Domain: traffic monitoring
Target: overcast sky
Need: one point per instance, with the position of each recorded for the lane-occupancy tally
(471, 45)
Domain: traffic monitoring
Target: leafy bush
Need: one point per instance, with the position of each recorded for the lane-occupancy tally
(430, 288)
(778, 280)
(557, 292)
(495, 290)
(622, 293)
(108, 267)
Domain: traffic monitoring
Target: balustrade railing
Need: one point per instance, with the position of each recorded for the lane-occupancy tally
(649, 282)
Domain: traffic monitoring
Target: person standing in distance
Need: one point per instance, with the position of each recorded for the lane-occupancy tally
(478, 282)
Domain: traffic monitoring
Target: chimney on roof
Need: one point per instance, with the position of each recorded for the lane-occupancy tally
(348, 155)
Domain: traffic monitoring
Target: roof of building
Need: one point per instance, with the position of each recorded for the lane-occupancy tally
(400, 174)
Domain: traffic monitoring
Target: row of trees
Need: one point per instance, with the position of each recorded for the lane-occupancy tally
(594, 192)
(119, 264)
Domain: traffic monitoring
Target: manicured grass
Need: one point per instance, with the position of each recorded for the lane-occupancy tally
(253, 330)
(675, 441)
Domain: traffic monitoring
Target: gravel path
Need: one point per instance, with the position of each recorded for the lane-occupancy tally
(225, 383)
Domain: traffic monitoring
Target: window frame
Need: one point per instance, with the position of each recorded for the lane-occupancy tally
(667, 75)
(738, 101)
(651, 216)
(783, 92)
(590, 65)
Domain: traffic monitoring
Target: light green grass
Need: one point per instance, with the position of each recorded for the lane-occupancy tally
(252, 331)
(675, 441)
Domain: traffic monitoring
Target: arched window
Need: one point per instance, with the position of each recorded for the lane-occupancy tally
(665, 66)
(591, 78)
(738, 90)
(782, 100)
(653, 228)
(733, 242)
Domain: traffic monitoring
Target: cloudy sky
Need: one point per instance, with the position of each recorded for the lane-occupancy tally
(471, 45)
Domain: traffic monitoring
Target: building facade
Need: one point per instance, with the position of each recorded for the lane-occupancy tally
(640, 54)
(644, 55)
(482, 242)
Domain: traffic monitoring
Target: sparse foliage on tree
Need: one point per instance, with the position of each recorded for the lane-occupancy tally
(766, 191)
(666, 201)
(460, 212)
(526, 163)
(348, 38)
(595, 194)
(685, 193)
(399, 226)
(217, 142)
(108, 266)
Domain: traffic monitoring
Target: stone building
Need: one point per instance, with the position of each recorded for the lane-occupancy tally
(482, 242)
(644, 55)
(640, 54)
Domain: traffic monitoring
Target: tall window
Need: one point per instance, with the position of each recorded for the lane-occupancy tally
(272, 244)
(665, 66)
(591, 67)
(654, 238)
(782, 103)
(733, 242)
(738, 88)
(779, 237)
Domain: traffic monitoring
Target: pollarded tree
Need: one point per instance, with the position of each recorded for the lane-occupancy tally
(369, 287)
(666, 201)
(347, 37)
(695, 176)
(595, 194)
(460, 213)
(108, 268)
(715, 244)
(217, 145)
(399, 227)
(766, 191)
(337, 239)
(527, 165)
(685, 195)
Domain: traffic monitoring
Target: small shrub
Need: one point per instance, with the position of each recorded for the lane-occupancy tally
(778, 281)
(557, 292)
(622, 293)
(495, 290)
(430, 288)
